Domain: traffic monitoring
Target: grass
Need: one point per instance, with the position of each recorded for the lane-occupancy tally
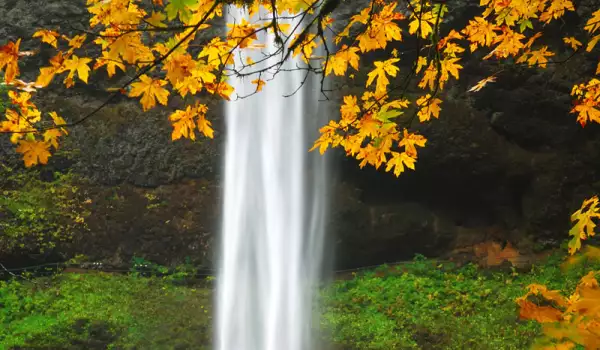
(427, 306)
(420, 305)
(101, 311)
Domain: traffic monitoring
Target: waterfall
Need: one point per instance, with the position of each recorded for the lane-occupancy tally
(274, 207)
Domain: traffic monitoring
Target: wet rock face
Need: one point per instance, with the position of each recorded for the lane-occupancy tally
(509, 160)
(125, 154)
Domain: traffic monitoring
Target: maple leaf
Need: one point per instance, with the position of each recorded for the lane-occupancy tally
(429, 78)
(184, 122)
(59, 121)
(327, 137)
(46, 76)
(421, 62)
(48, 36)
(259, 84)
(410, 142)
(480, 32)
(592, 43)
(382, 69)
(51, 137)
(556, 10)
(574, 43)
(584, 224)
(368, 126)
(179, 8)
(587, 111)
(542, 314)
(111, 63)
(339, 62)
(593, 24)
(79, 65)
(428, 107)
(205, 126)
(9, 55)
(450, 65)
(539, 57)
(243, 33)
(399, 161)
(350, 108)
(306, 47)
(77, 41)
(156, 19)
(483, 82)
(152, 91)
(34, 152)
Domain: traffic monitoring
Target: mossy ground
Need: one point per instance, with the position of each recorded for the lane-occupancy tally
(102, 311)
(420, 305)
(424, 305)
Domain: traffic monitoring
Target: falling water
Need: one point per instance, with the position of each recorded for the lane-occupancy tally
(274, 204)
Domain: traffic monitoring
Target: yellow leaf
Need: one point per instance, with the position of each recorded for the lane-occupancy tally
(58, 121)
(428, 107)
(539, 57)
(34, 152)
(79, 65)
(449, 65)
(593, 24)
(46, 76)
(483, 82)
(111, 63)
(48, 36)
(421, 62)
(205, 126)
(184, 122)
(152, 90)
(399, 161)
(381, 70)
(410, 142)
(424, 24)
(429, 78)
(51, 137)
(306, 47)
(339, 62)
(259, 84)
(592, 43)
(574, 43)
(77, 41)
(9, 55)
(156, 19)
(480, 32)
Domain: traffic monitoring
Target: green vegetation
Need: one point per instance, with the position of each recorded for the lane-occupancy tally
(36, 214)
(101, 311)
(427, 306)
(420, 305)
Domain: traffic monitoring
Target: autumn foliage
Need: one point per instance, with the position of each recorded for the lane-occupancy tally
(575, 319)
(568, 320)
(163, 47)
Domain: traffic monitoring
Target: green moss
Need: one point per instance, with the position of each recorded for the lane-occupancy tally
(427, 306)
(110, 311)
(420, 305)
(37, 215)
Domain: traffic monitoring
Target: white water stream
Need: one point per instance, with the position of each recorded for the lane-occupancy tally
(274, 207)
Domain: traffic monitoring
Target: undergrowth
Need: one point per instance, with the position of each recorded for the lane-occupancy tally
(420, 305)
(102, 311)
(427, 306)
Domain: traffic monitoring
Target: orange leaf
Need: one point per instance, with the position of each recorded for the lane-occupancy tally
(34, 152)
